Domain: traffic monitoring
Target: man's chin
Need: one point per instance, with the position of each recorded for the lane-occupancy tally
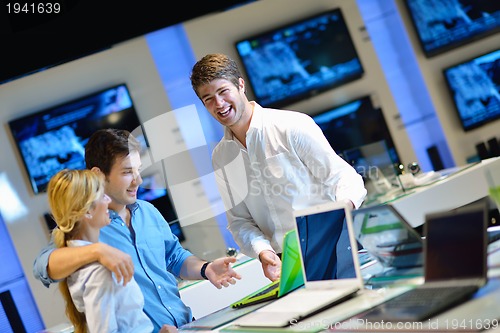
(131, 199)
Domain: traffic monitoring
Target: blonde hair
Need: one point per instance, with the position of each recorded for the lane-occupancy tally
(71, 195)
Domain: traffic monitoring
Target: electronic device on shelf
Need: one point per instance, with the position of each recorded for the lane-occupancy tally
(55, 138)
(355, 123)
(300, 59)
(473, 84)
(444, 25)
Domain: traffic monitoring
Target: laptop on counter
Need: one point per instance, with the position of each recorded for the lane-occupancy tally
(455, 266)
(291, 278)
(317, 294)
(391, 241)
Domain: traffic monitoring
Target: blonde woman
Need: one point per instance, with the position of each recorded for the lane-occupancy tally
(95, 302)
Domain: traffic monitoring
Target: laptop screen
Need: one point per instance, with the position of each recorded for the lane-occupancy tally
(375, 164)
(455, 240)
(329, 250)
(388, 237)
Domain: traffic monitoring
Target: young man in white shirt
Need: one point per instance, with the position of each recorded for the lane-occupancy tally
(288, 163)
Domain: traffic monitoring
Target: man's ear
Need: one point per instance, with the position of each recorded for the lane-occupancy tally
(242, 84)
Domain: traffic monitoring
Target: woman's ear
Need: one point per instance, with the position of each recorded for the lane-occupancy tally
(96, 170)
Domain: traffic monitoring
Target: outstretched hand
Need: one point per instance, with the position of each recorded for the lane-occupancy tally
(271, 264)
(221, 273)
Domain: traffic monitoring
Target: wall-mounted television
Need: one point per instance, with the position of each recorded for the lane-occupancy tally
(54, 139)
(475, 87)
(300, 59)
(444, 25)
(354, 124)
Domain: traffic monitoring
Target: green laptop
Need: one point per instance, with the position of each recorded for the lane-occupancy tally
(291, 276)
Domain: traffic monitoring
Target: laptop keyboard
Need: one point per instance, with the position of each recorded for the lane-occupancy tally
(420, 303)
(430, 296)
(268, 293)
(272, 287)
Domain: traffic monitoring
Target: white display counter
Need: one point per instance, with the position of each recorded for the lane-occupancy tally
(455, 190)
(204, 298)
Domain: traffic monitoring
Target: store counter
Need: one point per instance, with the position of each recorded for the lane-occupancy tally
(465, 185)
(204, 298)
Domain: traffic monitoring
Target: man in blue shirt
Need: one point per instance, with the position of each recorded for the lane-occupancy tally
(138, 242)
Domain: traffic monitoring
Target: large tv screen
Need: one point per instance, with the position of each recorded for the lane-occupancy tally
(54, 139)
(446, 24)
(300, 60)
(355, 124)
(475, 87)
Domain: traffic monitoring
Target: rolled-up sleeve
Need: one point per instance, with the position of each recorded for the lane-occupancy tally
(41, 263)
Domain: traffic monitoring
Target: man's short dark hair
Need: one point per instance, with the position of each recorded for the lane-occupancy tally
(106, 145)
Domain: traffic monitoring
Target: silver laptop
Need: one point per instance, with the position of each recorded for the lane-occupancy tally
(321, 290)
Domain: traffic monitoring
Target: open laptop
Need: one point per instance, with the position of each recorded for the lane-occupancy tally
(317, 293)
(375, 164)
(391, 241)
(455, 257)
(291, 278)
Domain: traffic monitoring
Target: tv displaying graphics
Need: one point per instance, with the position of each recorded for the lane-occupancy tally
(54, 139)
(446, 24)
(354, 124)
(475, 88)
(300, 60)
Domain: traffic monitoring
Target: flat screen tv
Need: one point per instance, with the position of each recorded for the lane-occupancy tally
(54, 139)
(354, 124)
(475, 87)
(444, 25)
(299, 60)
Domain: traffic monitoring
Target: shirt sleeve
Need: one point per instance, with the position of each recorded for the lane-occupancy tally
(324, 163)
(41, 263)
(245, 231)
(241, 224)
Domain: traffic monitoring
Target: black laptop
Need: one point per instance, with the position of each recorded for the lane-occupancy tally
(455, 266)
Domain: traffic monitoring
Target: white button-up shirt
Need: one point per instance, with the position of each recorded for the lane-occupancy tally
(288, 164)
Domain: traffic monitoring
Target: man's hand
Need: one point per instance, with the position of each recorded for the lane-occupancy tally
(220, 272)
(271, 264)
(117, 262)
